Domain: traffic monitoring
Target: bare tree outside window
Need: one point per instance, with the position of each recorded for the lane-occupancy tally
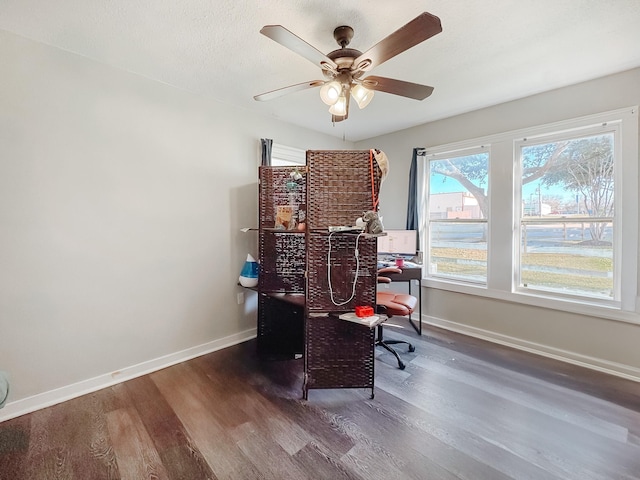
(566, 221)
(568, 216)
(586, 168)
(458, 214)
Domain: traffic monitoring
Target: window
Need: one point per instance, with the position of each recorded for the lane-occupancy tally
(284, 156)
(458, 212)
(567, 220)
(559, 226)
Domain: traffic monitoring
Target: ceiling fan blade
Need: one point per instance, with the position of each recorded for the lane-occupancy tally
(398, 87)
(288, 39)
(418, 30)
(286, 90)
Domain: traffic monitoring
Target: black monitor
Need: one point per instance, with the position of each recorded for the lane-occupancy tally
(398, 242)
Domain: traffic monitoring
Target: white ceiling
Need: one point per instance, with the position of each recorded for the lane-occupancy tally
(489, 51)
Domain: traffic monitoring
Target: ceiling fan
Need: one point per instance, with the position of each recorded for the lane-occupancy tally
(344, 68)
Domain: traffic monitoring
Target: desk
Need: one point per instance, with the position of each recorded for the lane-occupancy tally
(408, 274)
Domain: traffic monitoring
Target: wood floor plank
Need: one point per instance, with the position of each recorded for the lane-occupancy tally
(494, 420)
(318, 459)
(567, 401)
(268, 456)
(46, 458)
(93, 454)
(135, 452)
(179, 454)
(415, 428)
(280, 381)
(423, 454)
(70, 441)
(311, 418)
(589, 392)
(285, 432)
(462, 409)
(223, 456)
(510, 386)
(562, 453)
(376, 453)
(372, 464)
(215, 391)
(14, 446)
(595, 384)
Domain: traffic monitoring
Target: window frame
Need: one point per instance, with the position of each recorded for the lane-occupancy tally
(446, 155)
(504, 217)
(287, 156)
(613, 127)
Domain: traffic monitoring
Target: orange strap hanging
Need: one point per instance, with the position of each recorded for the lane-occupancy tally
(374, 197)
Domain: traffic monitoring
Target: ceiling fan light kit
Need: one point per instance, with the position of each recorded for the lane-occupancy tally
(344, 67)
(361, 95)
(340, 108)
(330, 92)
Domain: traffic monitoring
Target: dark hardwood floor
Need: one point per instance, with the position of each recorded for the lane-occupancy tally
(462, 409)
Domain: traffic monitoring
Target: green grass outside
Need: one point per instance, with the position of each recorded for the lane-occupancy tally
(447, 261)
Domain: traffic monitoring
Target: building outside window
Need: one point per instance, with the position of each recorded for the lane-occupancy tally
(559, 225)
(458, 213)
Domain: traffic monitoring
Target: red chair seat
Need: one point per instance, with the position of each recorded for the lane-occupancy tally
(399, 304)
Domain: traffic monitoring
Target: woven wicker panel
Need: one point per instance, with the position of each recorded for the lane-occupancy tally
(282, 261)
(339, 186)
(343, 271)
(273, 192)
(280, 327)
(339, 354)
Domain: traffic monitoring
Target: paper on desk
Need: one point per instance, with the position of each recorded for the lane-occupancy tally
(370, 322)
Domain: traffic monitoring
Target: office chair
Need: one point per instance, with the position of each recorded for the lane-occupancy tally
(393, 304)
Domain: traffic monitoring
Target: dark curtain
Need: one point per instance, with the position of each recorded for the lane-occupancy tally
(412, 201)
(266, 151)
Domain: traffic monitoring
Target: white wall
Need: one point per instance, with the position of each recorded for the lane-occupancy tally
(600, 343)
(121, 201)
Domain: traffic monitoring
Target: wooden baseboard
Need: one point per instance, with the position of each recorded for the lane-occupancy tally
(59, 395)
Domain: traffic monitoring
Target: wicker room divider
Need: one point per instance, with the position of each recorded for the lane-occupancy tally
(297, 310)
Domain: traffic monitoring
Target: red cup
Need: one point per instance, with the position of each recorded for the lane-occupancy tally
(399, 262)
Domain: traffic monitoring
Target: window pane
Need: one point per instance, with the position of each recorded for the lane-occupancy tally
(569, 186)
(565, 257)
(458, 187)
(570, 177)
(458, 251)
(457, 196)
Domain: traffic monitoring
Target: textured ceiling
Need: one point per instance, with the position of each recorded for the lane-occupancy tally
(489, 51)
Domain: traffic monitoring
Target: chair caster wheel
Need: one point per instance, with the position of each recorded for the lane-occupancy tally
(412, 348)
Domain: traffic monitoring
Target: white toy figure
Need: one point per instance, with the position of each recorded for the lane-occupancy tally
(373, 222)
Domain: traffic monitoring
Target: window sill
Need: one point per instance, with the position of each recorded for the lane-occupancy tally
(565, 305)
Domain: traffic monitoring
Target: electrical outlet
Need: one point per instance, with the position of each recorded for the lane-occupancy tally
(240, 298)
